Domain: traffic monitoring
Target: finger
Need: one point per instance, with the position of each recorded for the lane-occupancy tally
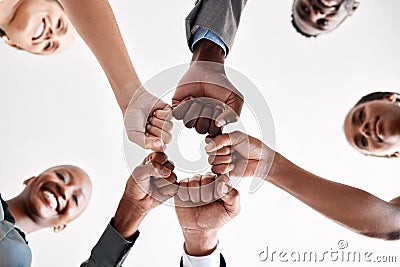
(164, 114)
(160, 123)
(226, 117)
(181, 108)
(183, 193)
(154, 143)
(204, 121)
(207, 188)
(194, 188)
(193, 113)
(231, 200)
(144, 172)
(224, 140)
(169, 190)
(223, 168)
(170, 165)
(214, 130)
(158, 157)
(222, 186)
(157, 132)
(220, 152)
(162, 182)
(226, 159)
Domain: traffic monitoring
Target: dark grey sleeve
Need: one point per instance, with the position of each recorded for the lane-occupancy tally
(111, 249)
(220, 16)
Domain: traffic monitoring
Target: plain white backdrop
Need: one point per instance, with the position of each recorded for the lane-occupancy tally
(60, 109)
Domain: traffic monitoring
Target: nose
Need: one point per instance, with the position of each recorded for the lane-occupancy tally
(365, 129)
(65, 191)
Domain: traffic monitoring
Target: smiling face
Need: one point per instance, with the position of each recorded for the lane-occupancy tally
(373, 127)
(313, 17)
(57, 196)
(39, 26)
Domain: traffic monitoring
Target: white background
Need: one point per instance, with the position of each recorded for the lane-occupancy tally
(60, 109)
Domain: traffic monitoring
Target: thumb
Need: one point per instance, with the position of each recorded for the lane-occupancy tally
(223, 140)
(230, 198)
(226, 117)
(144, 172)
(148, 142)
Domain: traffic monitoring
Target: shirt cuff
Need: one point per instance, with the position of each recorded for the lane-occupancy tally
(112, 248)
(204, 33)
(212, 260)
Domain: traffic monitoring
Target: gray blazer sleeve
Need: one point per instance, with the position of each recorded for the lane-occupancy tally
(13, 249)
(220, 16)
(111, 249)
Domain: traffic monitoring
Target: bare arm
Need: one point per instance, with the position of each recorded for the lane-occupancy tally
(95, 22)
(351, 207)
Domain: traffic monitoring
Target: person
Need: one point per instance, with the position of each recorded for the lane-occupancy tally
(152, 183)
(52, 199)
(203, 205)
(205, 98)
(314, 17)
(37, 26)
(240, 155)
(372, 126)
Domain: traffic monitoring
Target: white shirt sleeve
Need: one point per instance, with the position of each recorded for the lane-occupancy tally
(212, 260)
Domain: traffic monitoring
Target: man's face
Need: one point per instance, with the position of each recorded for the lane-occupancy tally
(40, 27)
(57, 196)
(373, 127)
(314, 17)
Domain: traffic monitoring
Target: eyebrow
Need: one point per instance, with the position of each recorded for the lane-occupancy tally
(353, 118)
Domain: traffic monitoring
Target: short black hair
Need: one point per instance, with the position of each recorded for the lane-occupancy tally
(298, 29)
(375, 96)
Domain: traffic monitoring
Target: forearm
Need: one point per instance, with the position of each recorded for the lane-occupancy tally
(127, 219)
(95, 22)
(351, 207)
(200, 243)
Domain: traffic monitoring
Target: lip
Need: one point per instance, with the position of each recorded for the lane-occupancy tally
(48, 191)
(376, 130)
(40, 30)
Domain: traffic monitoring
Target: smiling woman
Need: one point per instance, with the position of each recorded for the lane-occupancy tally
(372, 126)
(37, 26)
(51, 199)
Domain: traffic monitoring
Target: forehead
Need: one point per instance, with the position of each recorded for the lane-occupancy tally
(77, 175)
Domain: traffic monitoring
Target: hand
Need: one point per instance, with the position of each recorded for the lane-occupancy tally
(200, 224)
(148, 121)
(205, 98)
(239, 155)
(150, 184)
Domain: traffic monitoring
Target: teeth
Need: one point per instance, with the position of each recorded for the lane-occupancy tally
(51, 198)
(39, 31)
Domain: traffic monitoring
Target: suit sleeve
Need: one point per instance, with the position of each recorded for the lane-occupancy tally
(111, 249)
(220, 16)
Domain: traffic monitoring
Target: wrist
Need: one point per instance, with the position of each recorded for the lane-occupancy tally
(276, 167)
(125, 93)
(127, 218)
(206, 50)
(200, 243)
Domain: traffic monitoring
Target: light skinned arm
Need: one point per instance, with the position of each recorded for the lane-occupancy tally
(351, 207)
(96, 24)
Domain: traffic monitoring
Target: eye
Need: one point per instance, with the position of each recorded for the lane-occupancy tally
(75, 198)
(59, 24)
(323, 22)
(305, 8)
(361, 116)
(47, 47)
(60, 176)
(364, 142)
